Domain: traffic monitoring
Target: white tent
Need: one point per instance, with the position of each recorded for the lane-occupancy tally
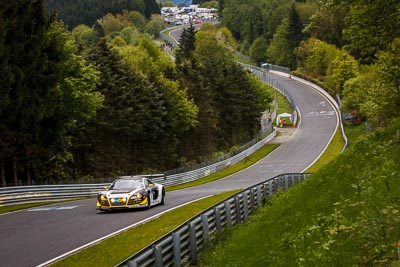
(284, 116)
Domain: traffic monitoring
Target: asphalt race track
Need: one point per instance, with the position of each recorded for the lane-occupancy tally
(38, 235)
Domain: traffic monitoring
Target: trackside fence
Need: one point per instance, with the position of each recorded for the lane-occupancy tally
(181, 246)
(41, 193)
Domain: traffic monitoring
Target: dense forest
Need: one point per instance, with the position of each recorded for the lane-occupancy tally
(90, 94)
(106, 100)
(350, 47)
(347, 213)
(74, 13)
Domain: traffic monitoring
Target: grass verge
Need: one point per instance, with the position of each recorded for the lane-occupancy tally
(255, 157)
(354, 131)
(333, 150)
(118, 248)
(346, 214)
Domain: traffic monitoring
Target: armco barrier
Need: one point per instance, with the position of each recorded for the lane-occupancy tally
(181, 246)
(185, 177)
(30, 194)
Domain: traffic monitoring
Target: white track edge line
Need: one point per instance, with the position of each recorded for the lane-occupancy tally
(115, 233)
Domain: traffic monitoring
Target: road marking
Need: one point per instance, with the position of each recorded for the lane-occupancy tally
(116, 232)
(320, 113)
(55, 208)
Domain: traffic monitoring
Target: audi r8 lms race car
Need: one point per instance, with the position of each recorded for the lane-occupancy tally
(131, 192)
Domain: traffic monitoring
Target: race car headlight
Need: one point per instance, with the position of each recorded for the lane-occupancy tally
(136, 196)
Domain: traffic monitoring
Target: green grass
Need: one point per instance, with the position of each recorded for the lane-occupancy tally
(332, 151)
(283, 104)
(353, 132)
(109, 251)
(346, 214)
(255, 157)
(116, 249)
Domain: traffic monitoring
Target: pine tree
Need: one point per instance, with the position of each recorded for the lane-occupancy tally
(186, 44)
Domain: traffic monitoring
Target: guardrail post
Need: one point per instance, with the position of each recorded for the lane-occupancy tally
(192, 243)
(218, 224)
(275, 185)
(270, 187)
(259, 196)
(176, 237)
(237, 209)
(252, 199)
(158, 256)
(265, 189)
(228, 214)
(286, 177)
(206, 230)
(245, 207)
(132, 263)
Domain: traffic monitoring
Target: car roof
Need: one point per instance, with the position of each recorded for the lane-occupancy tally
(135, 178)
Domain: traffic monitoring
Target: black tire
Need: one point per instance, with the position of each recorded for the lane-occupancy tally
(163, 197)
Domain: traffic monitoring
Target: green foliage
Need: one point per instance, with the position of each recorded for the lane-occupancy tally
(315, 56)
(252, 159)
(258, 50)
(151, 8)
(229, 100)
(371, 27)
(375, 92)
(49, 90)
(110, 24)
(342, 68)
(167, 4)
(325, 22)
(346, 214)
(356, 91)
(249, 19)
(74, 13)
(130, 35)
(186, 44)
(280, 52)
(134, 18)
(291, 35)
(138, 237)
(155, 25)
(85, 36)
(325, 62)
(210, 4)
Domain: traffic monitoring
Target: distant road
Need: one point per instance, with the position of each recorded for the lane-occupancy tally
(35, 236)
(176, 34)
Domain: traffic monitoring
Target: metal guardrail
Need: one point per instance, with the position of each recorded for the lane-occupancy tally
(268, 129)
(181, 178)
(268, 67)
(41, 193)
(334, 103)
(181, 246)
(274, 83)
(31, 194)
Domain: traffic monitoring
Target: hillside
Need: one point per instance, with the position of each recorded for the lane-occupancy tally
(347, 214)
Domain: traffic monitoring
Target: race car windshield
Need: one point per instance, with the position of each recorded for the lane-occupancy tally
(126, 184)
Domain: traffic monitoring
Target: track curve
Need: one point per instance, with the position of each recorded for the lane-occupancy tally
(35, 236)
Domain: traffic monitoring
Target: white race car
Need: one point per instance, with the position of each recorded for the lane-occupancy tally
(131, 192)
